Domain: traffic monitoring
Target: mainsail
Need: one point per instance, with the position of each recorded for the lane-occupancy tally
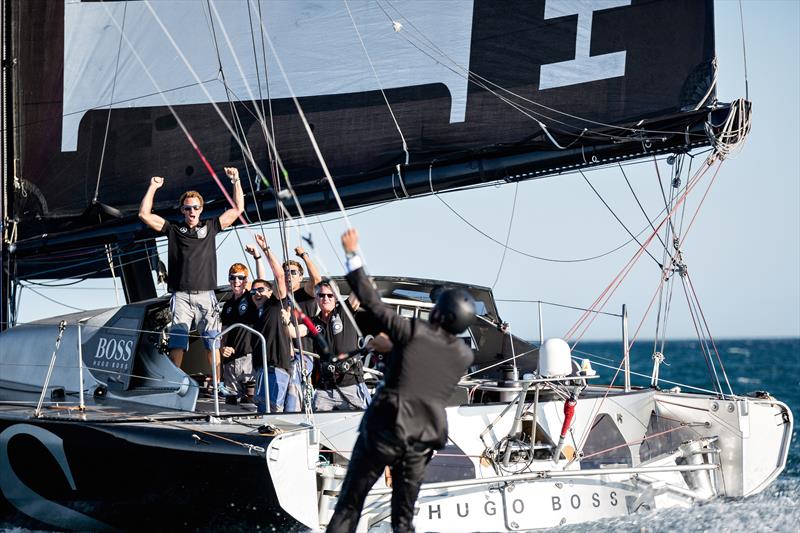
(403, 99)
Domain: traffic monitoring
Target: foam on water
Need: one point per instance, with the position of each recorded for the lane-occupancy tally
(775, 509)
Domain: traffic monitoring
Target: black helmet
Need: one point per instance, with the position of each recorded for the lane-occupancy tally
(454, 310)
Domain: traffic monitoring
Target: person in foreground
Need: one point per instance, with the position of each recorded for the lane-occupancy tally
(406, 420)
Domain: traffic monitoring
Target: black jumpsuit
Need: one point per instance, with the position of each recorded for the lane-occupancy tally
(406, 420)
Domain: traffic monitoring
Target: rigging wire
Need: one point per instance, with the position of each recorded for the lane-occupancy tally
(744, 53)
(377, 78)
(644, 213)
(34, 291)
(508, 234)
(110, 104)
(619, 220)
(526, 254)
(611, 288)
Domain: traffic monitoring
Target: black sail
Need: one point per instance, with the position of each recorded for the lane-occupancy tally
(481, 92)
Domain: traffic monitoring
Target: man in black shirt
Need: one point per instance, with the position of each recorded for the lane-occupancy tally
(269, 321)
(192, 264)
(406, 420)
(236, 346)
(303, 291)
(342, 380)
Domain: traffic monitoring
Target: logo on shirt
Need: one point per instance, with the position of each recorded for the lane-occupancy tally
(243, 307)
(202, 232)
(336, 325)
(183, 229)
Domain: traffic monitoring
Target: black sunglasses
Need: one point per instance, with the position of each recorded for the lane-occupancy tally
(324, 295)
(258, 290)
(234, 277)
(294, 272)
(188, 208)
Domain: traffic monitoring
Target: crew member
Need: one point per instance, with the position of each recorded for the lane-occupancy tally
(341, 385)
(236, 345)
(406, 420)
(269, 322)
(192, 264)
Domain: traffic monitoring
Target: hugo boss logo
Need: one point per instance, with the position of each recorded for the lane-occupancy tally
(113, 352)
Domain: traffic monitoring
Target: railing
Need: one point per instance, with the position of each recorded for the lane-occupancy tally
(263, 360)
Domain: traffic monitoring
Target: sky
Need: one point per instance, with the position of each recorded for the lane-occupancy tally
(742, 254)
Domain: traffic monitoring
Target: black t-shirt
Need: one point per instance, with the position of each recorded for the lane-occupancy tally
(192, 255)
(270, 324)
(342, 337)
(240, 310)
(308, 305)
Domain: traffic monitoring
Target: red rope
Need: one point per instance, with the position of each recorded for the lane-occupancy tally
(590, 313)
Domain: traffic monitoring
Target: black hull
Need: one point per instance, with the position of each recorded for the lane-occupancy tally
(144, 476)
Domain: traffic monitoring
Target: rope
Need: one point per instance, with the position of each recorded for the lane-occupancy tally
(110, 103)
(619, 220)
(380, 85)
(641, 207)
(618, 315)
(712, 371)
(526, 254)
(606, 294)
(307, 127)
(708, 331)
(508, 234)
(744, 53)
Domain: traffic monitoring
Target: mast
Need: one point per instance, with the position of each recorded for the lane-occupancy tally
(7, 147)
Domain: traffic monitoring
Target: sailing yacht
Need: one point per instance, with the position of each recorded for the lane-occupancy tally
(327, 106)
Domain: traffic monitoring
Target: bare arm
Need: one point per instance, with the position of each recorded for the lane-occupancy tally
(288, 323)
(314, 276)
(146, 215)
(229, 217)
(261, 272)
(274, 264)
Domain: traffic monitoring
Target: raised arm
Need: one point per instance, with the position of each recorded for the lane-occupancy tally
(261, 272)
(293, 333)
(229, 217)
(274, 264)
(314, 276)
(397, 327)
(146, 215)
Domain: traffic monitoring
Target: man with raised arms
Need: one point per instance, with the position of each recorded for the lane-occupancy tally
(270, 322)
(406, 420)
(192, 264)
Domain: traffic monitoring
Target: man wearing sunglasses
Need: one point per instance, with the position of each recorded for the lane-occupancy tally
(269, 321)
(303, 291)
(236, 346)
(341, 386)
(192, 264)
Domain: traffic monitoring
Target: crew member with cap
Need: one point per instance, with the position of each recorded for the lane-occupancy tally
(406, 420)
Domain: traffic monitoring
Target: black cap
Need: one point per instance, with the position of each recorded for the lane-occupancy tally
(454, 310)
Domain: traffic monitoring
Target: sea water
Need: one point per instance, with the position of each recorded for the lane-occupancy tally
(771, 365)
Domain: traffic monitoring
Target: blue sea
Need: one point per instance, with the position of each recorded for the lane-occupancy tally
(771, 365)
